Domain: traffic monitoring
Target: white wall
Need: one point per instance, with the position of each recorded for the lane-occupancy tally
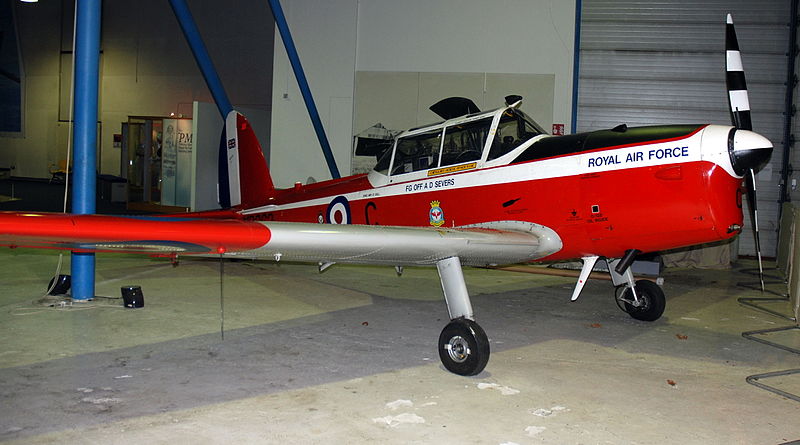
(472, 36)
(336, 38)
(324, 33)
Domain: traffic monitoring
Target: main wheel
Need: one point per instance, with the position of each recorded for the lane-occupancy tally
(651, 301)
(463, 347)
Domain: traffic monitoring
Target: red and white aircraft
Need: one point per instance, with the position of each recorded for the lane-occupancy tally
(478, 189)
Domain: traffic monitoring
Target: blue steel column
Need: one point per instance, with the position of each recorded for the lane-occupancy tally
(294, 59)
(87, 60)
(194, 40)
(576, 65)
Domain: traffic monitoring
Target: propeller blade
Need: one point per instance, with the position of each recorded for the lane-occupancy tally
(750, 182)
(739, 103)
(737, 86)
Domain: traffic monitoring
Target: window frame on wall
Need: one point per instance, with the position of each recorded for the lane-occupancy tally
(10, 53)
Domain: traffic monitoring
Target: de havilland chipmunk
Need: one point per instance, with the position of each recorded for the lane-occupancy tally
(478, 189)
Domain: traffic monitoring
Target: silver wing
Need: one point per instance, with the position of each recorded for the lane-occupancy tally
(502, 242)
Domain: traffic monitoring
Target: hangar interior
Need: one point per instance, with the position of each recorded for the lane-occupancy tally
(265, 352)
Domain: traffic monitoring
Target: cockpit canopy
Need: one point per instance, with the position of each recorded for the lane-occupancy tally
(458, 144)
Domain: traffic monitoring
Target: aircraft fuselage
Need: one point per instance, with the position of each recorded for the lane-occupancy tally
(647, 188)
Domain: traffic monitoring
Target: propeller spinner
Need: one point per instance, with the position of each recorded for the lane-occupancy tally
(749, 151)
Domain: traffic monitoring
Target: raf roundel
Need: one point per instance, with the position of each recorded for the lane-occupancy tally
(338, 211)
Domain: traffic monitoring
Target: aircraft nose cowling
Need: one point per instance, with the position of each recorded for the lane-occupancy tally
(748, 150)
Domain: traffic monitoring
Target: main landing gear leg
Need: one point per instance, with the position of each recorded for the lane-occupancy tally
(463, 345)
(642, 300)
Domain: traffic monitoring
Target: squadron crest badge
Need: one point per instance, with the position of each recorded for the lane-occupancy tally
(436, 214)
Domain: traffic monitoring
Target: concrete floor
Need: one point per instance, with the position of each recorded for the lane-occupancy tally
(349, 356)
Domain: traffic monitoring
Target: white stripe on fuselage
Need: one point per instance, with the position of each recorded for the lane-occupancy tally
(648, 155)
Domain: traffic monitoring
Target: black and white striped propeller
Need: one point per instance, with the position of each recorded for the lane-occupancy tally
(745, 162)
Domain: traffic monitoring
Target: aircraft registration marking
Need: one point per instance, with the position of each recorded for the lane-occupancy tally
(452, 169)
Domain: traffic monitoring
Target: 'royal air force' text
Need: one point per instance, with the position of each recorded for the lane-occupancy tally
(638, 156)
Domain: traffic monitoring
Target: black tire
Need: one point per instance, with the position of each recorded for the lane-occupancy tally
(463, 347)
(652, 298)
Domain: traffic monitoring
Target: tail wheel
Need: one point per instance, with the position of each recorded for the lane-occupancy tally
(463, 347)
(651, 301)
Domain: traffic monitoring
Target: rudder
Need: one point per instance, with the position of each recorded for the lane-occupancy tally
(244, 179)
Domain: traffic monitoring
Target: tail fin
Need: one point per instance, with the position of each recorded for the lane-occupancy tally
(244, 179)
